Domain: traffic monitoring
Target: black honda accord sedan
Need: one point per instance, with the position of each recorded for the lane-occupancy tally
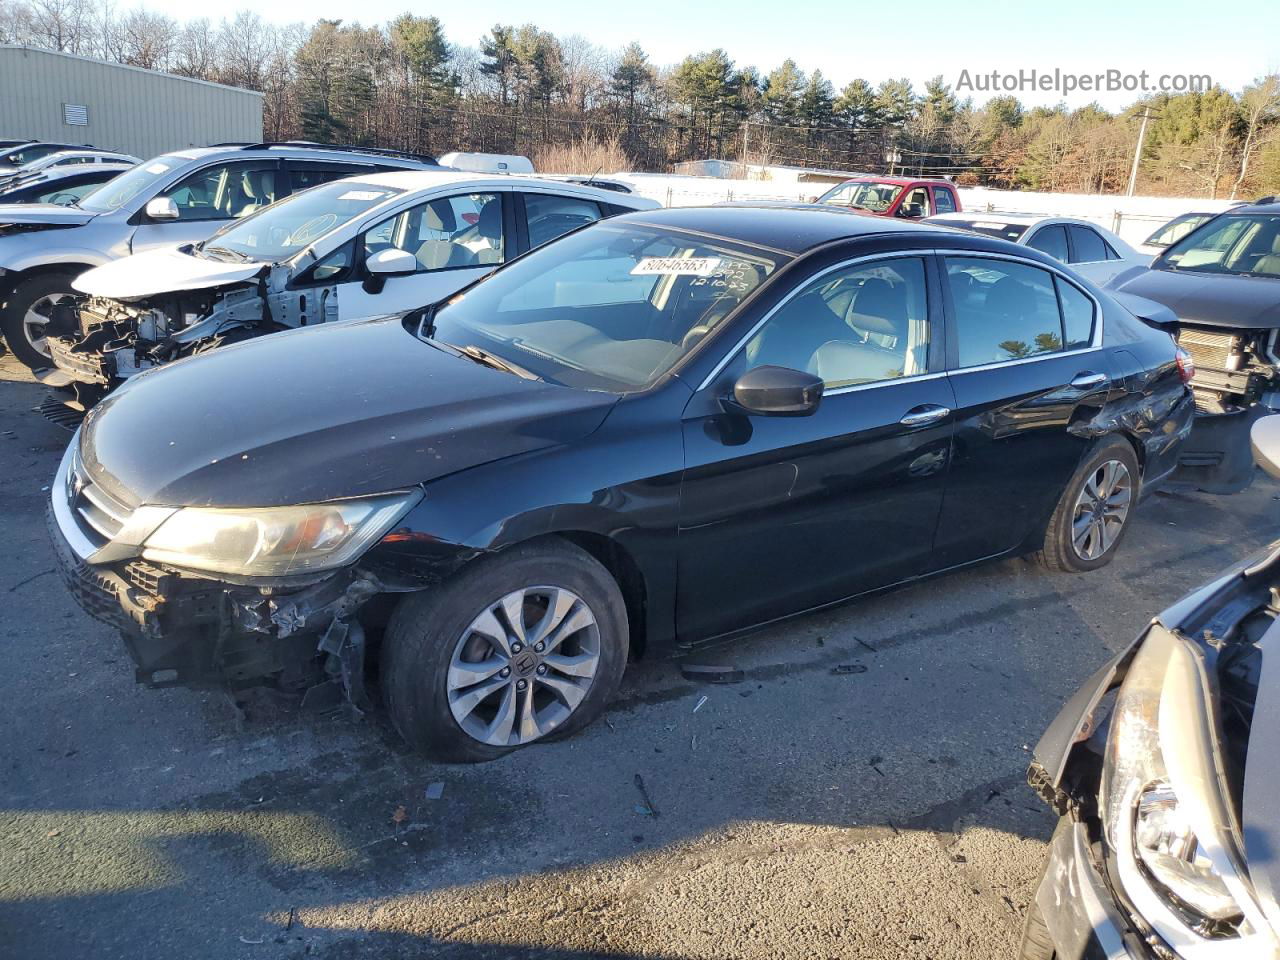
(660, 429)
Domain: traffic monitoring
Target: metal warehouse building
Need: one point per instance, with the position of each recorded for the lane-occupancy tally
(47, 95)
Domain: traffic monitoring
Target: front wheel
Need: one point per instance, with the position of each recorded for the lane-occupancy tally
(520, 647)
(26, 313)
(1093, 515)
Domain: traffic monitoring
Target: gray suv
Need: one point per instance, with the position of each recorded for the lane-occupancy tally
(180, 197)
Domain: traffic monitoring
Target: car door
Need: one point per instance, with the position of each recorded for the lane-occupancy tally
(208, 198)
(1025, 378)
(456, 238)
(780, 514)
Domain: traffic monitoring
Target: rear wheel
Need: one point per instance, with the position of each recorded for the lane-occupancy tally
(1093, 514)
(27, 312)
(521, 647)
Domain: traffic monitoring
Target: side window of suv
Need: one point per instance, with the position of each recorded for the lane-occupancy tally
(551, 216)
(1004, 310)
(856, 325)
(445, 233)
(225, 191)
(312, 173)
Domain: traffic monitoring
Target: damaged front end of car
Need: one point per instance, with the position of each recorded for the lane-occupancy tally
(295, 625)
(1146, 767)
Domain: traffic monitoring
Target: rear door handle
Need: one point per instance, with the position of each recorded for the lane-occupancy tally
(1088, 380)
(924, 415)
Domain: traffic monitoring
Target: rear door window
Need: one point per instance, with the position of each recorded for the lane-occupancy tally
(1086, 245)
(943, 200)
(307, 173)
(1051, 240)
(550, 216)
(1003, 310)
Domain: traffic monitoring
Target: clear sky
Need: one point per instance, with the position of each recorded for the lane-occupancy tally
(1232, 42)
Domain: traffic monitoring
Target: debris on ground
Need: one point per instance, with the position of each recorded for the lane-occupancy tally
(435, 790)
(400, 816)
(698, 706)
(849, 668)
(647, 808)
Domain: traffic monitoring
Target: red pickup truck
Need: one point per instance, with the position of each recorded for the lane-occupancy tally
(904, 197)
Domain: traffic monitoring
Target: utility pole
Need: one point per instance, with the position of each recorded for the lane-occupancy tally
(746, 135)
(1137, 153)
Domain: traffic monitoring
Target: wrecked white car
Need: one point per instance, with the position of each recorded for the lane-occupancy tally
(377, 244)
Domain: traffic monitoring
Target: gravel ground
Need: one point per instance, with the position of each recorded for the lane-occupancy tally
(801, 813)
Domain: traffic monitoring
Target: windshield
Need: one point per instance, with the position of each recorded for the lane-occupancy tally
(114, 194)
(877, 197)
(612, 307)
(989, 228)
(1246, 245)
(279, 231)
(1176, 229)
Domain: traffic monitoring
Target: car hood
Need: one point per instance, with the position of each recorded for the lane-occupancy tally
(50, 213)
(1248, 303)
(314, 414)
(165, 270)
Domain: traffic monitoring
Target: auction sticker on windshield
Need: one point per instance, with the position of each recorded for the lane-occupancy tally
(676, 267)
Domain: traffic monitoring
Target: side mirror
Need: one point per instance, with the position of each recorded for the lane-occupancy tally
(392, 262)
(162, 208)
(777, 392)
(1264, 438)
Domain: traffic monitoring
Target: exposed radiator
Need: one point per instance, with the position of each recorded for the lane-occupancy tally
(1208, 349)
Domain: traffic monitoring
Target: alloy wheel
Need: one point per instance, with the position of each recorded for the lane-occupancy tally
(523, 666)
(1101, 510)
(36, 319)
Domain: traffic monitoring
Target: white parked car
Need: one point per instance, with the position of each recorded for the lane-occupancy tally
(364, 246)
(66, 159)
(1092, 251)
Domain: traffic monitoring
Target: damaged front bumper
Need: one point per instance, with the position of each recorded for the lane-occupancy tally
(1078, 906)
(188, 629)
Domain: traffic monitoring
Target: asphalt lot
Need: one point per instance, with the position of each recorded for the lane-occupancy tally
(801, 813)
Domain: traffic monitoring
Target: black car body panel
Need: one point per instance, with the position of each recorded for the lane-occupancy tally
(713, 521)
(1236, 303)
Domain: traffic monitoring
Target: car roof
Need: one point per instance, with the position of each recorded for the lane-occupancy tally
(1272, 207)
(1026, 219)
(300, 151)
(414, 180)
(793, 229)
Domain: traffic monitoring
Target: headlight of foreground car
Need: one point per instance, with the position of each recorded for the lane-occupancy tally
(1164, 813)
(276, 541)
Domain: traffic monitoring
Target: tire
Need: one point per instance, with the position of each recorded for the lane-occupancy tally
(1037, 943)
(1103, 522)
(438, 658)
(26, 293)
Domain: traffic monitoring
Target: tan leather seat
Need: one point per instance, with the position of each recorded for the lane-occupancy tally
(437, 218)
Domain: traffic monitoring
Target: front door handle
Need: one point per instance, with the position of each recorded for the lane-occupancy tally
(924, 415)
(1088, 380)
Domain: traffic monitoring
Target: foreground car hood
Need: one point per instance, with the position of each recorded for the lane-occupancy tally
(1216, 301)
(160, 271)
(316, 414)
(49, 213)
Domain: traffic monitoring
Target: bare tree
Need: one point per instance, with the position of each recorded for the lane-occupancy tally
(1260, 106)
(63, 25)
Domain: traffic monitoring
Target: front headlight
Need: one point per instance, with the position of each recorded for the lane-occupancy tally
(1165, 817)
(276, 541)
